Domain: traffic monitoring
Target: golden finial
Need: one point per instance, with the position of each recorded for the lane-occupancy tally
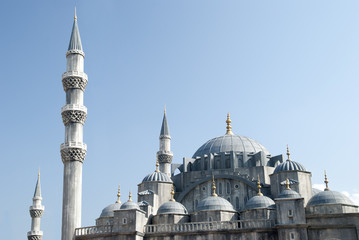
(259, 187)
(157, 164)
(118, 195)
(75, 18)
(326, 181)
(287, 184)
(229, 127)
(172, 194)
(38, 175)
(288, 153)
(165, 108)
(130, 197)
(214, 188)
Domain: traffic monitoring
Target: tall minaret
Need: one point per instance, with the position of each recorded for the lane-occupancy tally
(73, 150)
(36, 211)
(164, 154)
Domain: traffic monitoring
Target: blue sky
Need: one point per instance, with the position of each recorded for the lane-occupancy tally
(287, 71)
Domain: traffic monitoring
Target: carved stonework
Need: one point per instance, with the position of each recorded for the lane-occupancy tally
(36, 213)
(73, 154)
(76, 116)
(165, 158)
(74, 82)
(34, 237)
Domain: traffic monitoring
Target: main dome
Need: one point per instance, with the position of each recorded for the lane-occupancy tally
(228, 143)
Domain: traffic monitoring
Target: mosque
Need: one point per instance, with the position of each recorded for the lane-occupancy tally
(232, 188)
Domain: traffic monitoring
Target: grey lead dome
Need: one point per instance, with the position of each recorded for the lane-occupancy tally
(110, 209)
(157, 177)
(257, 202)
(289, 165)
(329, 197)
(172, 207)
(214, 203)
(228, 143)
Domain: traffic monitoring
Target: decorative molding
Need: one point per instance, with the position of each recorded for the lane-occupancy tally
(74, 82)
(73, 154)
(75, 51)
(165, 158)
(75, 116)
(36, 213)
(34, 237)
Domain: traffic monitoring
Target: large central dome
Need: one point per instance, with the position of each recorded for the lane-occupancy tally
(228, 143)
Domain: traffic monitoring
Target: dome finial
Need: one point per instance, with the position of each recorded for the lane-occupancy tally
(118, 195)
(287, 184)
(259, 187)
(172, 194)
(130, 197)
(157, 165)
(214, 194)
(229, 127)
(75, 17)
(288, 153)
(326, 181)
(165, 109)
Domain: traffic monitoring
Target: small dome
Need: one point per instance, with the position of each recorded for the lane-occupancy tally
(157, 177)
(329, 197)
(289, 193)
(129, 205)
(172, 207)
(289, 165)
(257, 202)
(214, 203)
(109, 210)
(228, 143)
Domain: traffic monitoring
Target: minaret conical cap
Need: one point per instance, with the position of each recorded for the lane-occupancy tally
(75, 40)
(164, 129)
(37, 193)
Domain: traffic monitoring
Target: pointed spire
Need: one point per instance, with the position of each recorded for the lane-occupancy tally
(37, 193)
(164, 129)
(157, 165)
(229, 127)
(287, 184)
(130, 197)
(326, 181)
(288, 153)
(75, 40)
(259, 187)
(118, 195)
(214, 194)
(172, 194)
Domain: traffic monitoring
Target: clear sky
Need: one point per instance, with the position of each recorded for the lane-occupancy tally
(287, 71)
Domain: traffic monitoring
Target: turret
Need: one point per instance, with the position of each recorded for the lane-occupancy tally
(36, 211)
(73, 150)
(164, 154)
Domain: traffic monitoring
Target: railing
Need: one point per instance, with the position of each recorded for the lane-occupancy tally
(68, 107)
(75, 74)
(74, 145)
(209, 226)
(93, 230)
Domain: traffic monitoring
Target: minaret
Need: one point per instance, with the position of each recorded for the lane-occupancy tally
(36, 211)
(73, 150)
(164, 154)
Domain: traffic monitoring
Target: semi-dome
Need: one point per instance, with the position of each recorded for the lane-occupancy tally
(214, 203)
(329, 197)
(260, 201)
(109, 210)
(129, 205)
(157, 177)
(289, 193)
(228, 143)
(172, 207)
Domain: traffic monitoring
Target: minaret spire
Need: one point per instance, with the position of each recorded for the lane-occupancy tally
(164, 155)
(36, 211)
(73, 150)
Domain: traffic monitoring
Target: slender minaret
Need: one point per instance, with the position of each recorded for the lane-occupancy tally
(73, 150)
(36, 211)
(165, 155)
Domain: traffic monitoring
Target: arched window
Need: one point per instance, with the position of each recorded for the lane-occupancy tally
(205, 163)
(220, 188)
(237, 203)
(228, 188)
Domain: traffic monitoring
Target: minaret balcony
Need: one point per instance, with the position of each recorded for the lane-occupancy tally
(73, 145)
(73, 151)
(75, 74)
(74, 107)
(74, 79)
(34, 235)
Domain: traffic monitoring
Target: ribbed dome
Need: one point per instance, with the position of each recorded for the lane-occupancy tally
(109, 210)
(289, 165)
(257, 202)
(172, 207)
(329, 197)
(157, 177)
(289, 193)
(129, 205)
(214, 203)
(229, 143)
